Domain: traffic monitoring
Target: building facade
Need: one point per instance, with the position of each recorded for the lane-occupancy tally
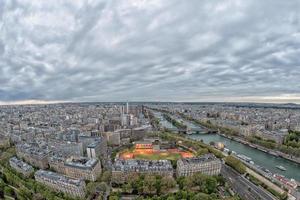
(83, 167)
(33, 155)
(207, 164)
(21, 166)
(123, 170)
(57, 163)
(97, 149)
(60, 183)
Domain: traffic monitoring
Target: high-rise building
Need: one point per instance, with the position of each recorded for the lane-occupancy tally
(97, 149)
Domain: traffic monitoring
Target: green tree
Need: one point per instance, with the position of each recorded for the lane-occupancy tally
(211, 185)
(201, 196)
(236, 164)
(149, 186)
(167, 183)
(106, 176)
(8, 191)
(113, 197)
(127, 188)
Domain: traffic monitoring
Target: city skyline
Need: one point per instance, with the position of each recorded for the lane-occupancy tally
(173, 51)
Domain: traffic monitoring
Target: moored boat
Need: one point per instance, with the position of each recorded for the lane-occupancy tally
(281, 167)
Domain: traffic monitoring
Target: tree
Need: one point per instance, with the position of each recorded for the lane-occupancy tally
(149, 185)
(171, 198)
(8, 191)
(201, 196)
(106, 176)
(235, 164)
(90, 188)
(167, 183)
(113, 197)
(127, 188)
(101, 187)
(38, 196)
(210, 185)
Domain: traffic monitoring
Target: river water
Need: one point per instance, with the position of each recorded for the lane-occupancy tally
(259, 158)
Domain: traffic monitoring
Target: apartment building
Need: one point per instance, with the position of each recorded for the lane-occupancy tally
(33, 155)
(83, 167)
(60, 183)
(122, 170)
(21, 166)
(207, 164)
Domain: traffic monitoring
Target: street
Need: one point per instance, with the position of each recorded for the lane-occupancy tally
(243, 187)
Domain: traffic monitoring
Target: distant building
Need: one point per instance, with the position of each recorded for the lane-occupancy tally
(33, 155)
(113, 138)
(21, 166)
(60, 183)
(86, 168)
(139, 132)
(207, 164)
(122, 170)
(4, 141)
(66, 148)
(97, 149)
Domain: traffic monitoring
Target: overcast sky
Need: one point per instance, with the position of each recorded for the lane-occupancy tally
(150, 50)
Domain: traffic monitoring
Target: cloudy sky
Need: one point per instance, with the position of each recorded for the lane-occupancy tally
(149, 50)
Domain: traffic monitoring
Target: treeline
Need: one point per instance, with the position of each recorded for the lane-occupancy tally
(270, 144)
(153, 121)
(290, 145)
(176, 123)
(198, 186)
(147, 185)
(235, 164)
(16, 186)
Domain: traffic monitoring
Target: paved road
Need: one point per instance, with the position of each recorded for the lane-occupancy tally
(246, 189)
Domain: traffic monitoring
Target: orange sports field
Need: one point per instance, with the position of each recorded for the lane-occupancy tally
(150, 154)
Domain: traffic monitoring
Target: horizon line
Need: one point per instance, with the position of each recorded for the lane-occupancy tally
(46, 102)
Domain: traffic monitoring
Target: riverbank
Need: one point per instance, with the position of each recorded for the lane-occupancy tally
(241, 140)
(275, 153)
(263, 149)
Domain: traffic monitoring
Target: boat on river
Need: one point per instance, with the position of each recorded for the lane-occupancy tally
(243, 157)
(282, 168)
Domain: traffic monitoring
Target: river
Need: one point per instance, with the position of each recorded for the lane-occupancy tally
(259, 158)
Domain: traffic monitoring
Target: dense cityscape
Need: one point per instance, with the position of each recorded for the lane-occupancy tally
(149, 100)
(149, 151)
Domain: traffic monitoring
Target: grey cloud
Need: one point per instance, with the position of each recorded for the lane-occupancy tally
(148, 50)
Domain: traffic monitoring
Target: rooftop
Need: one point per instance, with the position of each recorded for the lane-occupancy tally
(94, 144)
(142, 165)
(24, 166)
(32, 150)
(195, 160)
(82, 162)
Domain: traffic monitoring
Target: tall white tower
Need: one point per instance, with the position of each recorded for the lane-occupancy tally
(127, 108)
